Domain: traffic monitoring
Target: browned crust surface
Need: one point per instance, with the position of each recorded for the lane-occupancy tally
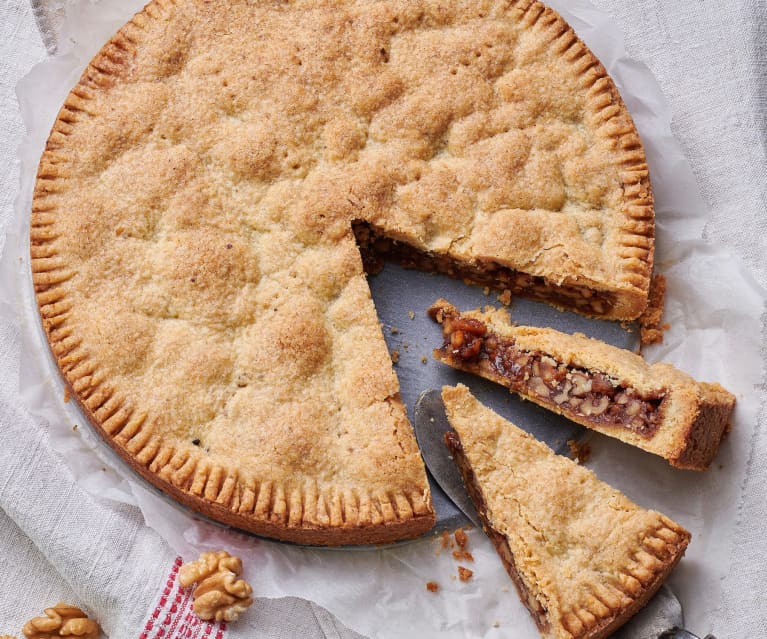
(191, 242)
(503, 468)
(693, 415)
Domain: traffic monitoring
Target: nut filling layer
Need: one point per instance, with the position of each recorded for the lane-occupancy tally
(575, 392)
(376, 248)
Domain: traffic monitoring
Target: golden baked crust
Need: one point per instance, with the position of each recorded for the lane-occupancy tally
(192, 246)
(690, 417)
(583, 556)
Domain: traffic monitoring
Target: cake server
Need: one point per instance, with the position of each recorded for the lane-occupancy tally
(661, 618)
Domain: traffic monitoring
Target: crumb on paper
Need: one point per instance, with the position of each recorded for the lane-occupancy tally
(462, 555)
(504, 297)
(461, 538)
(650, 327)
(505, 589)
(411, 315)
(464, 574)
(67, 395)
(424, 359)
(395, 356)
(486, 291)
(406, 345)
(496, 624)
(394, 330)
(580, 452)
(446, 542)
(432, 586)
(74, 428)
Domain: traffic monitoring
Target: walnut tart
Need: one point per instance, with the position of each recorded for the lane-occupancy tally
(583, 557)
(223, 170)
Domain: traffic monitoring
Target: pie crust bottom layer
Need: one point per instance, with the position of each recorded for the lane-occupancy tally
(583, 558)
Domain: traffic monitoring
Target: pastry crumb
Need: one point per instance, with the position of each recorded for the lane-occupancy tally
(395, 356)
(67, 395)
(461, 538)
(504, 297)
(464, 574)
(462, 555)
(394, 330)
(446, 542)
(578, 451)
(650, 327)
(424, 359)
(496, 624)
(74, 428)
(432, 586)
(411, 315)
(486, 291)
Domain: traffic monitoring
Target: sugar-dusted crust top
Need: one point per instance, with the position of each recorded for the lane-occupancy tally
(191, 233)
(588, 555)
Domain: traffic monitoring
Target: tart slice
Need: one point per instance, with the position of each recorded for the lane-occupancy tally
(611, 390)
(583, 557)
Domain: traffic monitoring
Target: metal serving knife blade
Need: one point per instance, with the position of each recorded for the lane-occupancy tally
(661, 618)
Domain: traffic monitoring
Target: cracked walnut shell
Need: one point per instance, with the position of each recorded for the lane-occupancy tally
(62, 620)
(219, 594)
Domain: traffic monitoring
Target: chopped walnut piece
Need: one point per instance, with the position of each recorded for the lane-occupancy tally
(62, 620)
(650, 327)
(462, 555)
(432, 586)
(464, 574)
(219, 594)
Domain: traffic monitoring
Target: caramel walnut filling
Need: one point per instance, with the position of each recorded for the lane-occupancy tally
(376, 248)
(576, 392)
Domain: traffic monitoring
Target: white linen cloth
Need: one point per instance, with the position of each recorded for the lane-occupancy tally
(57, 542)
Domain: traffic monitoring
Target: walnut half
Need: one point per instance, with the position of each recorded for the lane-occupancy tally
(62, 620)
(219, 594)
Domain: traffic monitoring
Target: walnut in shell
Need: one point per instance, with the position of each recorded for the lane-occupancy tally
(219, 594)
(62, 620)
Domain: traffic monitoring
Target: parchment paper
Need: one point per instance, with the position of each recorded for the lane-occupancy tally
(713, 307)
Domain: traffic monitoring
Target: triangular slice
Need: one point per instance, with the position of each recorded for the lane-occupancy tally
(583, 557)
(611, 390)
